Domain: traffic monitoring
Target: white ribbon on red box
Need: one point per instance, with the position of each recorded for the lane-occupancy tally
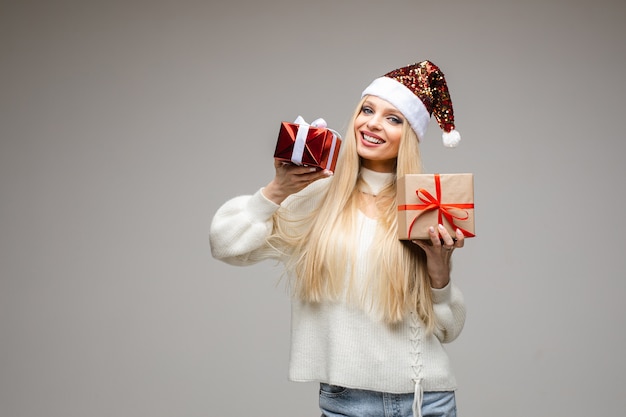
(303, 132)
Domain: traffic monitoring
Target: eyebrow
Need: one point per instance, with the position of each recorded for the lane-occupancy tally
(388, 110)
(384, 107)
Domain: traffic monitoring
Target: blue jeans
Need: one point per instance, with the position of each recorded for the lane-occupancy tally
(338, 401)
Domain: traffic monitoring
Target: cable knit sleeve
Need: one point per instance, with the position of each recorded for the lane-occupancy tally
(449, 309)
(241, 226)
(239, 230)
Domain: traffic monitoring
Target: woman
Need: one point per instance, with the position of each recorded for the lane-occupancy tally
(369, 312)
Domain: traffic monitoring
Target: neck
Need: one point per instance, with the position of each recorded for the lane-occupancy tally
(373, 181)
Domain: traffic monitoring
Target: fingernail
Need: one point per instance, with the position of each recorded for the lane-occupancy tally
(312, 169)
(441, 226)
(431, 229)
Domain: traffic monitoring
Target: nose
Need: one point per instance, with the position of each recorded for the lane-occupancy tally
(374, 122)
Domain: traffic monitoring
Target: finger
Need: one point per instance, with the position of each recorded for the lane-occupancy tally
(278, 163)
(304, 170)
(422, 244)
(293, 168)
(315, 175)
(434, 237)
(460, 239)
(448, 242)
(297, 173)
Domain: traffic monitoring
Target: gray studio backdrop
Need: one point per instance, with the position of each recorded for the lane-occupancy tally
(125, 124)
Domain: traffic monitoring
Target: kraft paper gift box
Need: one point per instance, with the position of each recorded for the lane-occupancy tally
(426, 200)
(309, 145)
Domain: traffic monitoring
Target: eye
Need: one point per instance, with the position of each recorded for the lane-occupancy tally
(395, 120)
(367, 110)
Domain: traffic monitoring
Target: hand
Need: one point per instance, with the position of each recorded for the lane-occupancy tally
(290, 179)
(439, 253)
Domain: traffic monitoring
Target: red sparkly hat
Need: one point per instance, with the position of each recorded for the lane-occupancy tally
(418, 91)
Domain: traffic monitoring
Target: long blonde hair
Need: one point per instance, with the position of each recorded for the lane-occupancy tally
(322, 256)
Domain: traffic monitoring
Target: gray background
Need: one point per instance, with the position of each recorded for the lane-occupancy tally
(125, 124)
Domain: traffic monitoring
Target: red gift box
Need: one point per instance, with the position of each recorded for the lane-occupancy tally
(308, 145)
(429, 199)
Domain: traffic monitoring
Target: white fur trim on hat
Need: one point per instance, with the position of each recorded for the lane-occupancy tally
(404, 100)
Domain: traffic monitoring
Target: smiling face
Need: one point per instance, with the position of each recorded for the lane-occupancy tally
(378, 131)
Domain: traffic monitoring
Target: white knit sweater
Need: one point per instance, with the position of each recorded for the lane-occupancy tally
(335, 342)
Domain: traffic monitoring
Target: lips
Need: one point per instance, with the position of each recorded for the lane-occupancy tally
(372, 139)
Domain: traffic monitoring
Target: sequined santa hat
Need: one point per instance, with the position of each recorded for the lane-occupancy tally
(419, 90)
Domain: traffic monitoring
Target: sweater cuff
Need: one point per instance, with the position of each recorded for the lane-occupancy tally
(442, 295)
(261, 205)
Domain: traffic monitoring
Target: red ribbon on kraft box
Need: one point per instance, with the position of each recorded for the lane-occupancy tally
(455, 214)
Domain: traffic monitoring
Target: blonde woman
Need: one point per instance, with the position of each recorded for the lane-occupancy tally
(370, 312)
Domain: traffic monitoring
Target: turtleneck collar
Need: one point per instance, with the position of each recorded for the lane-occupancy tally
(375, 181)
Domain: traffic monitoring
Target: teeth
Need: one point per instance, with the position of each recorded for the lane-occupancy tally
(373, 140)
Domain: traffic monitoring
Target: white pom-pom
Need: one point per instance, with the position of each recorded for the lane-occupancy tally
(451, 138)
